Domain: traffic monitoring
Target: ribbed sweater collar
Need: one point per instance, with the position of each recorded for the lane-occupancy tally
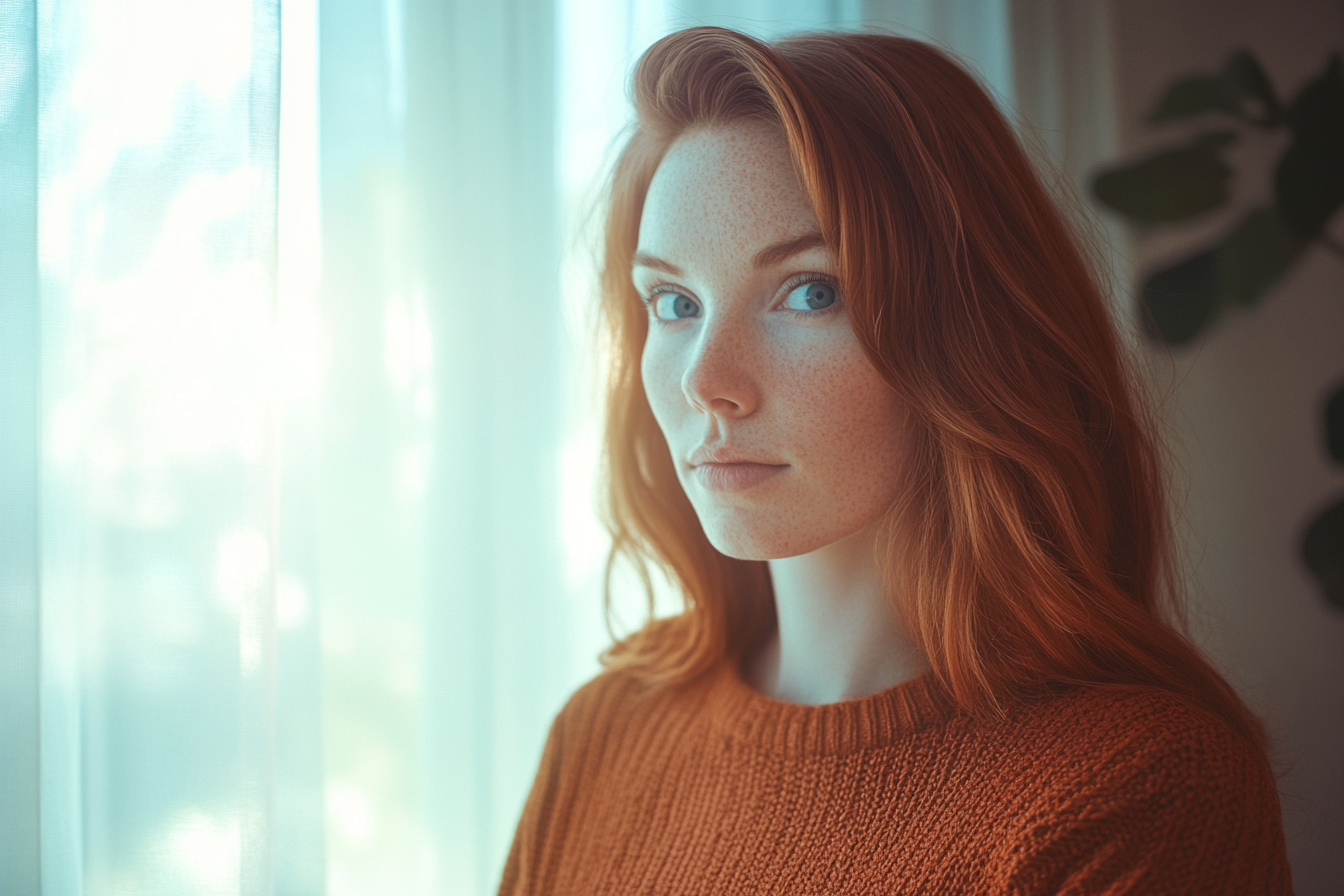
(794, 729)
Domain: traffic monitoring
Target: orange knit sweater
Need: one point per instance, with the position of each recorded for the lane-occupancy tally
(712, 788)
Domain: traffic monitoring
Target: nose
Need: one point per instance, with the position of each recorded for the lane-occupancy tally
(718, 378)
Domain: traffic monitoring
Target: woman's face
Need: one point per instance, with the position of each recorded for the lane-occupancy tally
(784, 436)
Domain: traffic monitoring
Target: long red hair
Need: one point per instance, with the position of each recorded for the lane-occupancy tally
(1031, 546)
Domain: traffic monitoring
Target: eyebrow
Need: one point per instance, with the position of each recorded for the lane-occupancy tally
(770, 255)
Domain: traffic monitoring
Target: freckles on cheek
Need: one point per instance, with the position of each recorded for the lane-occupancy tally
(831, 390)
(848, 428)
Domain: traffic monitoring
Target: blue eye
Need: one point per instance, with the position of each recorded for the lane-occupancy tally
(815, 296)
(674, 306)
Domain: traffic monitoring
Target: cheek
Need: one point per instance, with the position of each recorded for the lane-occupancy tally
(662, 384)
(873, 413)
(834, 393)
(849, 424)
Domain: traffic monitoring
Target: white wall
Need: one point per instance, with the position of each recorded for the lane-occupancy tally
(1246, 410)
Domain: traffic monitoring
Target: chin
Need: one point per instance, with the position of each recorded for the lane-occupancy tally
(742, 540)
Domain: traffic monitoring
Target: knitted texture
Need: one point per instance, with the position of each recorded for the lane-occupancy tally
(712, 788)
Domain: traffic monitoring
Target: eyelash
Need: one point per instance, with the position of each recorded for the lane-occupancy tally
(788, 286)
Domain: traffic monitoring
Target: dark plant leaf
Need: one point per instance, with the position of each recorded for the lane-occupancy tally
(1240, 81)
(1193, 96)
(1334, 425)
(1323, 551)
(1243, 78)
(1314, 111)
(1213, 141)
(1177, 302)
(1309, 181)
(1172, 185)
(1253, 256)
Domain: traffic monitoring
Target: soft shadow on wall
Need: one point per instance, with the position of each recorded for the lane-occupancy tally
(1245, 395)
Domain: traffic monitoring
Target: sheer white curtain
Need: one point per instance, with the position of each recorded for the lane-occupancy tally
(160, 361)
(297, 417)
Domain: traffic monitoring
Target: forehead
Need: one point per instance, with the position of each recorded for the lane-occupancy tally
(727, 188)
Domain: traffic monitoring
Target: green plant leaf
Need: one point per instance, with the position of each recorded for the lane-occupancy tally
(1253, 256)
(1172, 185)
(1192, 96)
(1334, 426)
(1240, 81)
(1179, 301)
(1243, 78)
(1309, 180)
(1323, 552)
(1213, 142)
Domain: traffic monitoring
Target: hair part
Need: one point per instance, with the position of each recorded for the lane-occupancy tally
(1031, 547)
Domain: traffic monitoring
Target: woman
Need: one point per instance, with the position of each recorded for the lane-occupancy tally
(867, 408)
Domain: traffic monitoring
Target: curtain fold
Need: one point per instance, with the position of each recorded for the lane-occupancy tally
(20, 673)
(1065, 104)
(257, 609)
(156, 129)
(442, 587)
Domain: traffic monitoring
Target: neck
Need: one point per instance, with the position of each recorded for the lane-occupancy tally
(838, 637)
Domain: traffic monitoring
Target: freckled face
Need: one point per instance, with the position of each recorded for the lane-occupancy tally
(784, 436)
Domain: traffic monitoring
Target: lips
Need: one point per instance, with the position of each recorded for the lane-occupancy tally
(729, 454)
(727, 468)
(735, 477)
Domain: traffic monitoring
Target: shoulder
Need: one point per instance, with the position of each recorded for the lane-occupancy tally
(617, 704)
(599, 695)
(1143, 745)
(1143, 786)
(609, 695)
(1133, 720)
(585, 734)
(1133, 733)
(581, 737)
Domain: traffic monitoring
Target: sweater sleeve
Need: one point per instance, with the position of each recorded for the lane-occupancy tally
(1177, 805)
(523, 867)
